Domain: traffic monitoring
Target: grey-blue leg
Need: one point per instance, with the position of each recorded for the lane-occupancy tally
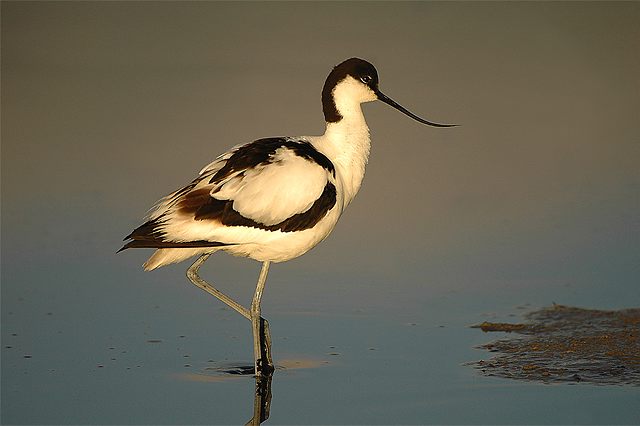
(263, 363)
(261, 334)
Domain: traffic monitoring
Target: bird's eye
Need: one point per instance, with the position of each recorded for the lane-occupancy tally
(366, 79)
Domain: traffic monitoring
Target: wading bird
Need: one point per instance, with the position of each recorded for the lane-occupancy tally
(272, 199)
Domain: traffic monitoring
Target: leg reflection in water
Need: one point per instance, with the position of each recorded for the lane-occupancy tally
(261, 400)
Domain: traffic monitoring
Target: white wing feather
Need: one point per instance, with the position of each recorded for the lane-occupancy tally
(275, 191)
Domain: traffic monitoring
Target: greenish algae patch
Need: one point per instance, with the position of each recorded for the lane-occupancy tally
(567, 344)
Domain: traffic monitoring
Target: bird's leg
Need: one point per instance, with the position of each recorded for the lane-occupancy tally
(265, 347)
(192, 274)
(261, 336)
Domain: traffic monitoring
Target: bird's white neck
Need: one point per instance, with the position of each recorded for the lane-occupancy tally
(347, 144)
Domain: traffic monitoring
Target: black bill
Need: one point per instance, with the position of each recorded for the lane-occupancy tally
(387, 100)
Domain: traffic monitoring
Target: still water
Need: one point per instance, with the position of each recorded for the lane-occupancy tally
(150, 351)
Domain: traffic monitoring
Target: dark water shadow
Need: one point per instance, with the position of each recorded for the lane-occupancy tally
(241, 370)
(563, 344)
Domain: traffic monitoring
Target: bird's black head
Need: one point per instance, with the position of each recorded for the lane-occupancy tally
(357, 68)
(366, 74)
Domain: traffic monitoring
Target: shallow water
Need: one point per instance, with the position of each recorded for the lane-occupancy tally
(158, 358)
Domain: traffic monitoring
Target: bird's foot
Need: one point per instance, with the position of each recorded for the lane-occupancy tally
(264, 368)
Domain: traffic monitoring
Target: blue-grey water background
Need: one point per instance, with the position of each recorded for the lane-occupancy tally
(108, 106)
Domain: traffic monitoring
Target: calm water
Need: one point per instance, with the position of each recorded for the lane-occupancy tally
(122, 348)
(108, 106)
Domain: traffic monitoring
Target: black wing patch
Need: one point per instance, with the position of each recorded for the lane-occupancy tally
(202, 206)
(260, 152)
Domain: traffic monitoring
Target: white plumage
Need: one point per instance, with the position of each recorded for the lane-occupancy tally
(267, 194)
(276, 191)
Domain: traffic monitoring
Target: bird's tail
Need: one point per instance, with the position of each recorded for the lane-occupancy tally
(164, 257)
(149, 235)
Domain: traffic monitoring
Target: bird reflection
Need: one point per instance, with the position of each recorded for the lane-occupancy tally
(261, 400)
(261, 396)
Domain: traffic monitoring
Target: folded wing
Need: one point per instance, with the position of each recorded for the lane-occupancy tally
(276, 184)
